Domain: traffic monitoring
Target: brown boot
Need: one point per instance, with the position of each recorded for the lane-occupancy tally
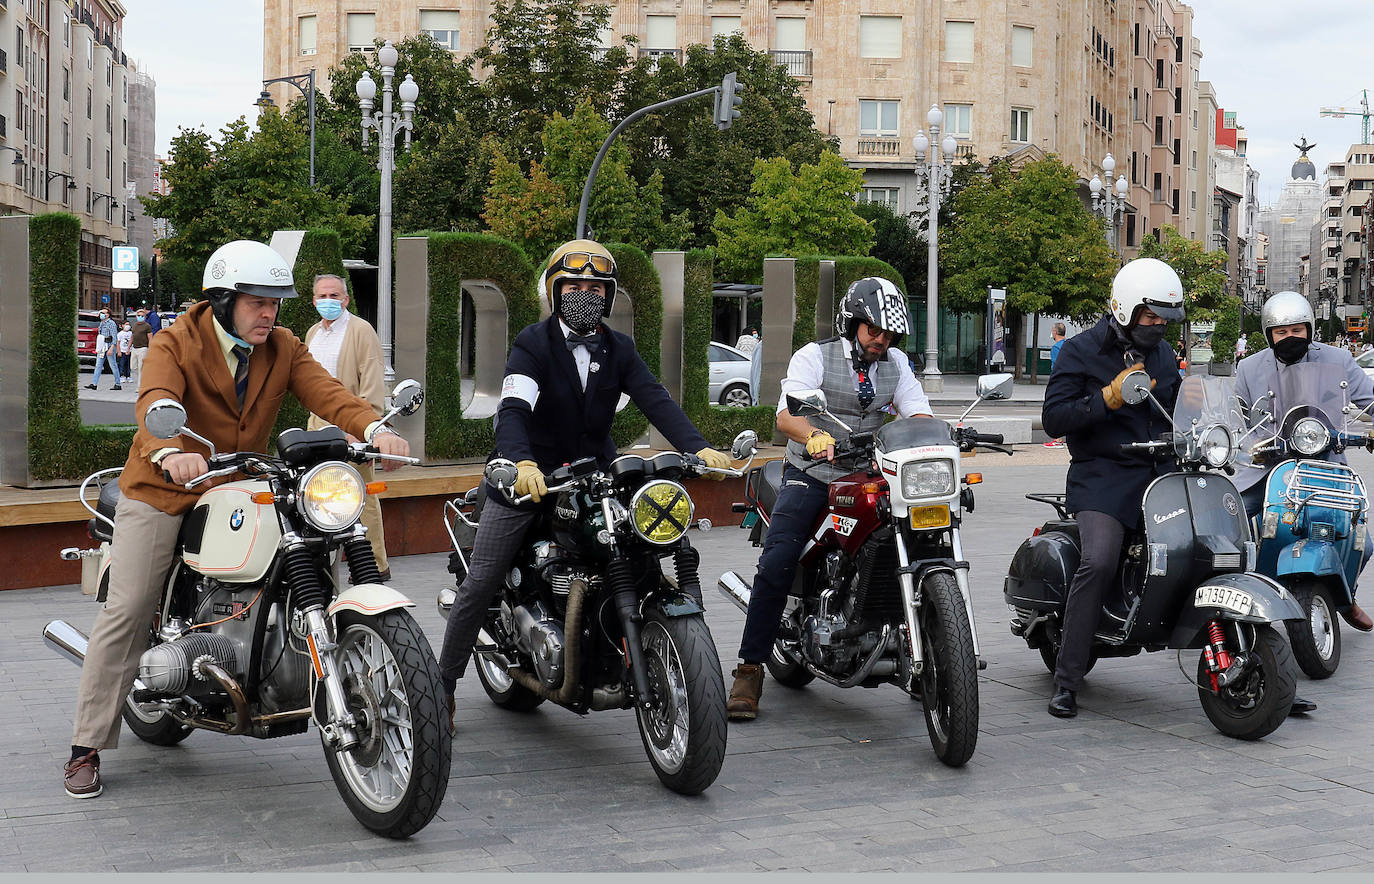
(743, 704)
(1356, 617)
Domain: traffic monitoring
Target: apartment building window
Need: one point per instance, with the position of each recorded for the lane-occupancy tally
(959, 42)
(109, 120)
(1159, 131)
(959, 120)
(1194, 119)
(66, 139)
(109, 165)
(88, 102)
(1176, 155)
(1130, 231)
(1178, 99)
(886, 195)
(1178, 49)
(1135, 103)
(877, 117)
(1192, 199)
(124, 127)
(1174, 202)
(109, 72)
(1135, 177)
(442, 27)
(1193, 163)
(660, 32)
(1020, 125)
(89, 152)
(66, 29)
(1157, 192)
(1022, 45)
(1159, 73)
(725, 25)
(67, 84)
(789, 34)
(362, 31)
(307, 34)
(90, 53)
(1135, 39)
(880, 36)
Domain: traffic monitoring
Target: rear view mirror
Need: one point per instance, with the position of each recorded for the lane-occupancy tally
(745, 445)
(166, 418)
(995, 386)
(407, 397)
(1135, 389)
(501, 473)
(806, 403)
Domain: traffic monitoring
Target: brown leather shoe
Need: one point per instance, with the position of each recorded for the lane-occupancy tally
(452, 705)
(82, 776)
(1356, 617)
(743, 704)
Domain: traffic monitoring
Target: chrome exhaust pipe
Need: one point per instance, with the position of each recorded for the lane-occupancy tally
(66, 640)
(733, 587)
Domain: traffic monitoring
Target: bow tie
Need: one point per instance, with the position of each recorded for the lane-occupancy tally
(591, 342)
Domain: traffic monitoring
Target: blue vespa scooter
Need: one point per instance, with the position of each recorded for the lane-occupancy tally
(1313, 529)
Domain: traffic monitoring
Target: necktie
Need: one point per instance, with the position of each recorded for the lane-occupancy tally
(866, 392)
(241, 373)
(591, 342)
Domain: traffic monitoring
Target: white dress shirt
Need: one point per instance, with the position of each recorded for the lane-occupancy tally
(806, 371)
(581, 355)
(327, 343)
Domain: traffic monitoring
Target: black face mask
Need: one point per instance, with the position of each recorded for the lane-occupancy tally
(1146, 338)
(1289, 350)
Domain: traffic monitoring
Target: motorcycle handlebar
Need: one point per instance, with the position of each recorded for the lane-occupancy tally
(1144, 446)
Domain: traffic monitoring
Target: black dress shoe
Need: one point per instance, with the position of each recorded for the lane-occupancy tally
(1301, 706)
(1064, 703)
(90, 386)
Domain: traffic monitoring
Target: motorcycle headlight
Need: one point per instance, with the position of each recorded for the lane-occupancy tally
(1215, 445)
(927, 478)
(660, 512)
(331, 496)
(1310, 437)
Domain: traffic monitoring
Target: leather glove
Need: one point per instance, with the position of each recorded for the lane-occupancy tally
(821, 443)
(529, 480)
(1111, 394)
(715, 459)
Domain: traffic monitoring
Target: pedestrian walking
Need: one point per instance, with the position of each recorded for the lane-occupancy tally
(105, 350)
(125, 342)
(1058, 332)
(142, 331)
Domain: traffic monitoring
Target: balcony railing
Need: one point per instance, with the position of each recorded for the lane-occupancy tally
(675, 54)
(879, 146)
(965, 151)
(797, 61)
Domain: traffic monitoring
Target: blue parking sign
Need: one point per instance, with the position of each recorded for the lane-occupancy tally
(124, 258)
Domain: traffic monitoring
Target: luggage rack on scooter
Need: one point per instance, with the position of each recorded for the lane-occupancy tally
(1332, 485)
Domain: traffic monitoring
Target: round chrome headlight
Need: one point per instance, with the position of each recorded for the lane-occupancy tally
(1215, 445)
(1310, 437)
(660, 512)
(331, 496)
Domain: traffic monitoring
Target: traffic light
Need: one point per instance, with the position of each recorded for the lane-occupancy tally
(728, 101)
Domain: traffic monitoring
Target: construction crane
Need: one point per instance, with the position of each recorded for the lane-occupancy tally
(1362, 111)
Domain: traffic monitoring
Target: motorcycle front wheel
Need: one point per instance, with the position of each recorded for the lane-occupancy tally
(394, 779)
(949, 679)
(684, 732)
(1316, 641)
(1258, 702)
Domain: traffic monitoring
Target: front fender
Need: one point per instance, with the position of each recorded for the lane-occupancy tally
(1318, 558)
(369, 599)
(1270, 603)
(671, 601)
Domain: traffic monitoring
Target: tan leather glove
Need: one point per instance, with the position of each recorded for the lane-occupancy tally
(529, 480)
(716, 459)
(821, 443)
(1111, 394)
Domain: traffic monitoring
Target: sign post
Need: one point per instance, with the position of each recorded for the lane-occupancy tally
(124, 267)
(996, 330)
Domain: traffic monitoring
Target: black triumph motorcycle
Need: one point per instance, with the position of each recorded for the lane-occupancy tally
(587, 617)
(1186, 580)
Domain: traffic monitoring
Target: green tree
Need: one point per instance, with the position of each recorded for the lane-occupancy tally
(809, 212)
(1202, 273)
(1028, 232)
(897, 239)
(441, 187)
(532, 211)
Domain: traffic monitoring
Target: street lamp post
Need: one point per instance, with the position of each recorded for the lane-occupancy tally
(938, 175)
(305, 83)
(388, 125)
(1107, 204)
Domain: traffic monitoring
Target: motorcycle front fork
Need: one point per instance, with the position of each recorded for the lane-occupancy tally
(911, 597)
(340, 729)
(1225, 667)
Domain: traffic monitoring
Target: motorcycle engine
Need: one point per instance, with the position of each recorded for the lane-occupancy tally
(541, 637)
(837, 635)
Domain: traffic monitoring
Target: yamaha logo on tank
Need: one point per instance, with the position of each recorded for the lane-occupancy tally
(236, 520)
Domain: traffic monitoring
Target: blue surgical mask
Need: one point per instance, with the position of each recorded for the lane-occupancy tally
(329, 308)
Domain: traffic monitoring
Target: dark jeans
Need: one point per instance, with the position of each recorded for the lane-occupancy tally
(800, 502)
(1100, 536)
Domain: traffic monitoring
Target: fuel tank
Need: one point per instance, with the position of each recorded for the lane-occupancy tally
(229, 537)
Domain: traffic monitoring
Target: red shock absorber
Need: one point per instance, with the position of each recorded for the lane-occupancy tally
(1217, 637)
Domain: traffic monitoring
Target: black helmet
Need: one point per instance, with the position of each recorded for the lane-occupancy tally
(876, 301)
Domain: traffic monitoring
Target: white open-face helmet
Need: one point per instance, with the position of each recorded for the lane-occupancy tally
(1146, 282)
(1286, 308)
(250, 267)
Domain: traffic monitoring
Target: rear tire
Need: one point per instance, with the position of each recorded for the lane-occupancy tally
(684, 735)
(949, 680)
(786, 669)
(503, 690)
(1316, 641)
(1049, 655)
(1260, 702)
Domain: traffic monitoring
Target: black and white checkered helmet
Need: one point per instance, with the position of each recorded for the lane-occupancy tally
(876, 301)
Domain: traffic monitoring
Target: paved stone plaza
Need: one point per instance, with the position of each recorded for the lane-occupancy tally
(826, 779)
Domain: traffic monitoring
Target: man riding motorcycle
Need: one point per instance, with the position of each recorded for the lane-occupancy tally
(229, 366)
(1288, 324)
(564, 377)
(860, 378)
(1105, 486)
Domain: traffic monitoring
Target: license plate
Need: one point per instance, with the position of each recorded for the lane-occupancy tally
(1224, 597)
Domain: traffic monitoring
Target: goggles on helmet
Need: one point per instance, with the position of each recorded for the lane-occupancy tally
(583, 262)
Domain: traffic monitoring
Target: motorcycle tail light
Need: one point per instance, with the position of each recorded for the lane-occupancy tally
(923, 517)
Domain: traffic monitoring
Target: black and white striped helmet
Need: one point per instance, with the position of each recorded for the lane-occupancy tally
(876, 301)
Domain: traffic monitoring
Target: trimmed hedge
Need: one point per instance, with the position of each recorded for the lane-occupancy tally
(60, 446)
(454, 257)
(639, 277)
(320, 252)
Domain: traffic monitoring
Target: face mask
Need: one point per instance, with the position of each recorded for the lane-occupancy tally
(1147, 337)
(1290, 349)
(329, 308)
(127, 327)
(581, 310)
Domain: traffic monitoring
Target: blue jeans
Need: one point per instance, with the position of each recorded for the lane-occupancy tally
(100, 360)
(800, 502)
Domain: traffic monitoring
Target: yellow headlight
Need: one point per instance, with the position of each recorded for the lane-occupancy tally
(930, 516)
(331, 496)
(660, 512)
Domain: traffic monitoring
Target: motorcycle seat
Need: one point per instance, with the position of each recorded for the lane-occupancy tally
(765, 483)
(109, 499)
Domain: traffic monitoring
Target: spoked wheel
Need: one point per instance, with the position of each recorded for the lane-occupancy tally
(503, 690)
(684, 734)
(1316, 641)
(394, 779)
(154, 725)
(949, 680)
(1259, 701)
(784, 664)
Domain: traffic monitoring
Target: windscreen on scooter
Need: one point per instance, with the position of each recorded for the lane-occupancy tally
(1305, 390)
(1205, 402)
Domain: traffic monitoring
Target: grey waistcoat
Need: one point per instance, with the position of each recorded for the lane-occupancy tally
(842, 399)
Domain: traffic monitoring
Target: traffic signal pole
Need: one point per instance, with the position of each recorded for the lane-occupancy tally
(729, 101)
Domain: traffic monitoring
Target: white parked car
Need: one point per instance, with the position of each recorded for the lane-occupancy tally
(729, 379)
